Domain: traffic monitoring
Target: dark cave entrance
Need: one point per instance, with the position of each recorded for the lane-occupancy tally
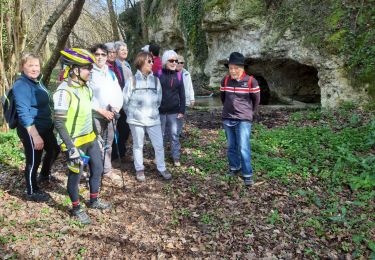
(285, 81)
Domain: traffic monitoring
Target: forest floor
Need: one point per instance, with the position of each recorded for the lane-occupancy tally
(302, 206)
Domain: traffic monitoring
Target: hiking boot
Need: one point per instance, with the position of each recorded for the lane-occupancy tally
(99, 204)
(233, 173)
(45, 178)
(140, 175)
(177, 163)
(82, 216)
(248, 181)
(166, 175)
(38, 196)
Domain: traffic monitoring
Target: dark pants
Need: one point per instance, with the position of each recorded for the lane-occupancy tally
(34, 157)
(123, 131)
(96, 169)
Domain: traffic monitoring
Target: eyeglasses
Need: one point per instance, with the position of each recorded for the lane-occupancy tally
(150, 61)
(100, 54)
(181, 62)
(173, 61)
(88, 67)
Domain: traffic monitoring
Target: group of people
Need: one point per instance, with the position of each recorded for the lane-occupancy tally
(99, 102)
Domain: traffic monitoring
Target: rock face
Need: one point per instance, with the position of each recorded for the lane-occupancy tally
(286, 69)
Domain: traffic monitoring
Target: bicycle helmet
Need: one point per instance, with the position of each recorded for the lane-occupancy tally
(76, 57)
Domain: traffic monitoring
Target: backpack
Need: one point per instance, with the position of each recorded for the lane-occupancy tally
(249, 82)
(179, 75)
(135, 84)
(9, 109)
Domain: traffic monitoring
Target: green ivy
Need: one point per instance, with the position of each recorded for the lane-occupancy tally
(190, 17)
(345, 28)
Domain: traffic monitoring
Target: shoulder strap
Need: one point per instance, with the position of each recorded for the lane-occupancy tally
(158, 73)
(90, 92)
(250, 81)
(179, 76)
(112, 74)
(156, 82)
(226, 80)
(134, 82)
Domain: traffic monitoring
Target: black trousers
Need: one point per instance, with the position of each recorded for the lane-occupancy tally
(33, 157)
(96, 170)
(123, 136)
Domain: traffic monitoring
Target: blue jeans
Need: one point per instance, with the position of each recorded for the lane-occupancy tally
(239, 150)
(169, 126)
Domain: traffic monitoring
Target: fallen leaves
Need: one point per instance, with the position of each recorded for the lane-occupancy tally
(199, 214)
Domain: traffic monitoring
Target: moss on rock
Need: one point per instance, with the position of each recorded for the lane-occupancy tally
(344, 28)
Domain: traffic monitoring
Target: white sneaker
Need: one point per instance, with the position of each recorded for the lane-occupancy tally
(177, 163)
(140, 175)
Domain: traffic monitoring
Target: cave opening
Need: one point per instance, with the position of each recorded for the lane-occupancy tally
(285, 81)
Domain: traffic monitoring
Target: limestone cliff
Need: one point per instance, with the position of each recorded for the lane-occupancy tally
(298, 50)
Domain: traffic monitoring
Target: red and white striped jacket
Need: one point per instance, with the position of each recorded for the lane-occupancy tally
(240, 98)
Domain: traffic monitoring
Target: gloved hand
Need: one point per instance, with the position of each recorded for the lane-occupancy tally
(74, 156)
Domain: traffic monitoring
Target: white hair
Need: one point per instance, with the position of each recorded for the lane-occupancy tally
(167, 55)
(118, 44)
(110, 46)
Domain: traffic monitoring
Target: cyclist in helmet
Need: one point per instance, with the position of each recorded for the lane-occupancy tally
(74, 124)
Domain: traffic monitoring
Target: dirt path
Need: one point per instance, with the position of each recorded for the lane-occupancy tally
(195, 215)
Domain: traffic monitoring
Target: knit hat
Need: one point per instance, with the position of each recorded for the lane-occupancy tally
(146, 48)
(235, 58)
(168, 55)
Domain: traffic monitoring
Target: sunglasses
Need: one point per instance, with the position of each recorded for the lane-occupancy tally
(181, 62)
(150, 61)
(88, 67)
(173, 61)
(100, 54)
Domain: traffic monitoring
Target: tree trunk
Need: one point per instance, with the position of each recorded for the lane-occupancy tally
(12, 44)
(49, 24)
(63, 37)
(16, 39)
(143, 22)
(112, 15)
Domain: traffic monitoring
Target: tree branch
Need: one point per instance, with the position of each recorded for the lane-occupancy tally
(63, 37)
(49, 24)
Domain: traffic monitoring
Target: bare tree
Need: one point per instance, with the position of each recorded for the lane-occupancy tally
(12, 42)
(63, 37)
(143, 22)
(112, 14)
(49, 24)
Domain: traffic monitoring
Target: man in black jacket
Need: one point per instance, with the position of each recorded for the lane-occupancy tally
(240, 95)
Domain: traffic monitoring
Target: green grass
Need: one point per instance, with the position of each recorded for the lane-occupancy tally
(334, 150)
(10, 149)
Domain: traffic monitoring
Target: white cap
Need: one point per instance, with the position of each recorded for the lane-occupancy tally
(146, 48)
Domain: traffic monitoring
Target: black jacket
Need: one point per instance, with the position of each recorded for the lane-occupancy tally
(173, 92)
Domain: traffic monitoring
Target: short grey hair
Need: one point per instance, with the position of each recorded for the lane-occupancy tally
(118, 44)
(110, 46)
(167, 55)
